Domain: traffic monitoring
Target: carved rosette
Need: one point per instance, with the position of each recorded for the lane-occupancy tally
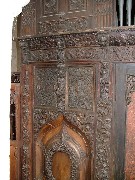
(103, 132)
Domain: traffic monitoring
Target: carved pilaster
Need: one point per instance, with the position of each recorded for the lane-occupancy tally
(103, 133)
(26, 127)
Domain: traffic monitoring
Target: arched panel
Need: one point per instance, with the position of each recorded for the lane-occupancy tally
(62, 143)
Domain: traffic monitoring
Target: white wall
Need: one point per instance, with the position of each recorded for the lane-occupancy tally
(8, 10)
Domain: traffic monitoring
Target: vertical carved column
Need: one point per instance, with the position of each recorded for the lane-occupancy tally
(61, 75)
(103, 132)
(26, 123)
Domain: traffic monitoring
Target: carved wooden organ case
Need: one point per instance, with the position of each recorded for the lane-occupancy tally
(77, 86)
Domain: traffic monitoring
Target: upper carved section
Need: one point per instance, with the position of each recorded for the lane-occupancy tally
(65, 16)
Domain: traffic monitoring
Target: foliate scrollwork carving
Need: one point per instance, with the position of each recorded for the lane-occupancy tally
(81, 88)
(130, 87)
(104, 119)
(85, 121)
(45, 85)
(76, 4)
(64, 25)
(122, 53)
(86, 54)
(42, 117)
(26, 159)
(50, 6)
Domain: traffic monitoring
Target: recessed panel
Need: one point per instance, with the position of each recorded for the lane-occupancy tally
(61, 166)
(45, 84)
(81, 88)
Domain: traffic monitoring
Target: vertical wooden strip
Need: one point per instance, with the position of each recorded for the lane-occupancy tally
(26, 123)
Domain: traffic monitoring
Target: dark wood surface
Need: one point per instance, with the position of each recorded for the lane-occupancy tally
(74, 89)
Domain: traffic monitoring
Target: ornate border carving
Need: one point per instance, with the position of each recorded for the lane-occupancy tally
(26, 124)
(103, 132)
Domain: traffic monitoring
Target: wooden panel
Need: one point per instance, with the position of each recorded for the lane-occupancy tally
(61, 166)
(13, 161)
(15, 131)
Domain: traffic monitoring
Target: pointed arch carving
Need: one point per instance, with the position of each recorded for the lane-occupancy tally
(61, 138)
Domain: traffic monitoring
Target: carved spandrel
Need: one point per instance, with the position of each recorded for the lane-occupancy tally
(45, 85)
(81, 88)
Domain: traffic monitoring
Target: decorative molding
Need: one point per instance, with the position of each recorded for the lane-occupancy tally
(130, 88)
(104, 120)
(115, 39)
